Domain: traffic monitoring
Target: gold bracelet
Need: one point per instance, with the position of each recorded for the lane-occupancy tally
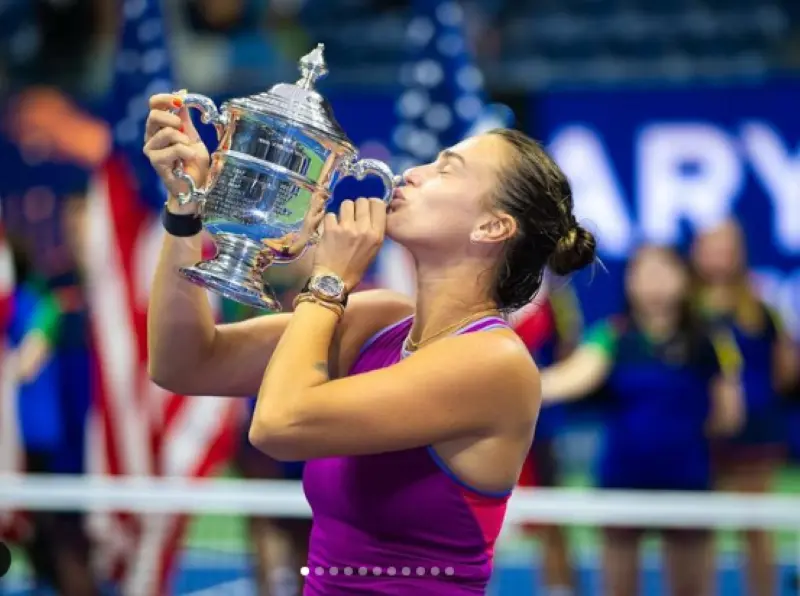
(308, 297)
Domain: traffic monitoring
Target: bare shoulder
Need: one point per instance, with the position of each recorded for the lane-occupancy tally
(495, 363)
(497, 351)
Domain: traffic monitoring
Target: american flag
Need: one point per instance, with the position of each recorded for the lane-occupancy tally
(443, 102)
(137, 428)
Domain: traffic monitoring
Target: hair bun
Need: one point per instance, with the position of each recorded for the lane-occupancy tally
(574, 251)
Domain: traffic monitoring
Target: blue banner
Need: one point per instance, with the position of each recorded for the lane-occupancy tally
(659, 165)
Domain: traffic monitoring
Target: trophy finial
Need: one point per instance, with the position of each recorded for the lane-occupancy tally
(312, 67)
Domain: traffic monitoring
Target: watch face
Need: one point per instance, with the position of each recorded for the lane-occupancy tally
(329, 285)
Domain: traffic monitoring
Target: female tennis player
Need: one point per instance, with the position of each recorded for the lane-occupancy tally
(415, 419)
(673, 385)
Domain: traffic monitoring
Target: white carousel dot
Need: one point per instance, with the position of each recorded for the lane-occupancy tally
(304, 571)
(334, 571)
(319, 571)
(406, 571)
(420, 571)
(449, 571)
(363, 570)
(348, 571)
(391, 571)
(376, 571)
(434, 571)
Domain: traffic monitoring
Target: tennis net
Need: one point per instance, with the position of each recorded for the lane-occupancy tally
(215, 554)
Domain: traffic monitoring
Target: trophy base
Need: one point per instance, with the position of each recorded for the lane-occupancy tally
(236, 273)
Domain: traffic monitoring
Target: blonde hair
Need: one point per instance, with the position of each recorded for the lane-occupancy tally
(748, 308)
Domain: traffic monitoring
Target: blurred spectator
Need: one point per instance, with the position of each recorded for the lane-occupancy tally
(748, 462)
(58, 548)
(47, 42)
(250, 33)
(672, 384)
(550, 328)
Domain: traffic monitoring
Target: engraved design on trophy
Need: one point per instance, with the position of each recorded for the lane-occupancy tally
(280, 155)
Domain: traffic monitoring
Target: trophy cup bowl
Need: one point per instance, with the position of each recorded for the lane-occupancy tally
(280, 155)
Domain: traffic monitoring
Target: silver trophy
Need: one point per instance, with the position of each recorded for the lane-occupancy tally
(280, 155)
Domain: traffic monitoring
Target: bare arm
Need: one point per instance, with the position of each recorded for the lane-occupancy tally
(727, 399)
(188, 352)
(577, 376)
(458, 387)
(37, 345)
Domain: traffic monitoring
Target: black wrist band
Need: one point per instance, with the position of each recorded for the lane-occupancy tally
(182, 226)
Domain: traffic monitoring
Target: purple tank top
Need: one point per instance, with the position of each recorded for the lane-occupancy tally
(398, 523)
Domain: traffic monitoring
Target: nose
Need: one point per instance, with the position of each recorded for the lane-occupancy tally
(409, 177)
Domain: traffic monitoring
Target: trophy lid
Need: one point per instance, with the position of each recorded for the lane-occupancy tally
(300, 102)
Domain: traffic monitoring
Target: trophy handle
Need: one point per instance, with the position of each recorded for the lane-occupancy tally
(364, 167)
(209, 115)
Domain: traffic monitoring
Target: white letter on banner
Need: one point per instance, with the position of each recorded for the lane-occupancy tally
(779, 172)
(667, 195)
(599, 202)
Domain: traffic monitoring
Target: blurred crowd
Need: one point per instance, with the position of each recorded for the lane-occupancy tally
(694, 382)
(245, 45)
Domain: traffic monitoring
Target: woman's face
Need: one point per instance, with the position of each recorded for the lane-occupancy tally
(656, 282)
(443, 204)
(718, 254)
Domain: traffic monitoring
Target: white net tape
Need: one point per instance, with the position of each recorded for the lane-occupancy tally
(272, 498)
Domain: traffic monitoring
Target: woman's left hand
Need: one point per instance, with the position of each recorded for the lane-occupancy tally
(351, 241)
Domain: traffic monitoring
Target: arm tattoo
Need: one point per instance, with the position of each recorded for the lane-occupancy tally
(322, 368)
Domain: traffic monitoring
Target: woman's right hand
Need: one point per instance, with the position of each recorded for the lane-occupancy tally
(170, 138)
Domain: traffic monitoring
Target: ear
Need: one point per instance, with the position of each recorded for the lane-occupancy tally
(493, 228)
